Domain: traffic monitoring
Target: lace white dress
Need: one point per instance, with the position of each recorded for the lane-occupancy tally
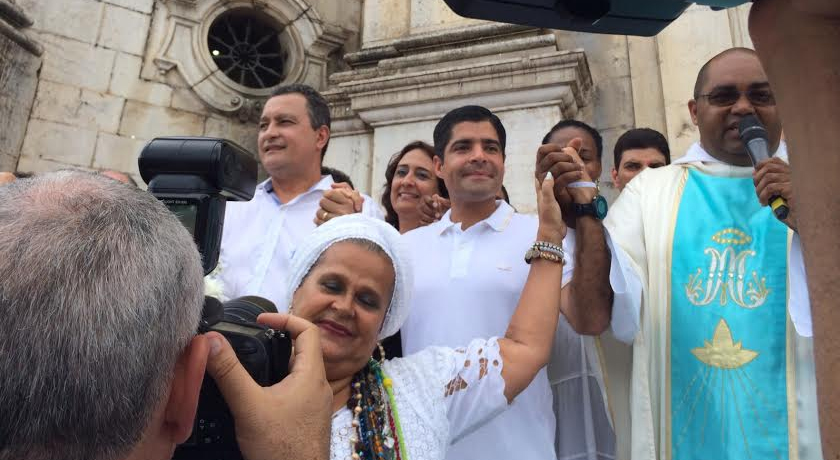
(441, 395)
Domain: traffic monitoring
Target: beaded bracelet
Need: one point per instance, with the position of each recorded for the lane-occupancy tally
(550, 247)
(546, 251)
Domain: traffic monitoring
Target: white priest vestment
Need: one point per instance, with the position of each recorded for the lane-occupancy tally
(722, 359)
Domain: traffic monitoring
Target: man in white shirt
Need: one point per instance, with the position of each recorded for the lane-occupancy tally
(469, 273)
(261, 235)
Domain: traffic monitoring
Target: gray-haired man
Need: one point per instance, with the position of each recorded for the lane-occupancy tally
(98, 354)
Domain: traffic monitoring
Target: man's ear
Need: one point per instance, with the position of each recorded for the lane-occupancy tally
(692, 110)
(614, 174)
(186, 385)
(323, 137)
(438, 167)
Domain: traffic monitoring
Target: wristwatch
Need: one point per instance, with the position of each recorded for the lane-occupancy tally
(597, 208)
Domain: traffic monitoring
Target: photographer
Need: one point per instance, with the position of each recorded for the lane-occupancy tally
(100, 295)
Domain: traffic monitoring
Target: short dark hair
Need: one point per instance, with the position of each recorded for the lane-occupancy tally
(703, 73)
(474, 113)
(337, 175)
(316, 106)
(390, 215)
(593, 133)
(641, 138)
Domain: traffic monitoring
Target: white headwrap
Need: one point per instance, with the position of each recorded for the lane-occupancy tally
(357, 226)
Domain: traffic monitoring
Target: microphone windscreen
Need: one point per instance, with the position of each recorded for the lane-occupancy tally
(750, 128)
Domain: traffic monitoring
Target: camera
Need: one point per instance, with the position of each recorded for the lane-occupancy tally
(622, 17)
(262, 351)
(195, 177)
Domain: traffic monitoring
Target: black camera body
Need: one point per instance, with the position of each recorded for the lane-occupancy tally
(195, 177)
(262, 351)
(621, 17)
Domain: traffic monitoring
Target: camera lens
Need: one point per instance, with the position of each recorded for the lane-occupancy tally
(247, 309)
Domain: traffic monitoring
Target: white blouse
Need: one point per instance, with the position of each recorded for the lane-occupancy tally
(441, 395)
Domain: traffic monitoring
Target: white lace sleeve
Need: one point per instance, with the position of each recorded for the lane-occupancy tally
(474, 389)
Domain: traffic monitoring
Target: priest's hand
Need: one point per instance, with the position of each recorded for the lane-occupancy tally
(338, 201)
(772, 178)
(432, 208)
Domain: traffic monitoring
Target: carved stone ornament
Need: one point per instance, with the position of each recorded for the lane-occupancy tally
(305, 39)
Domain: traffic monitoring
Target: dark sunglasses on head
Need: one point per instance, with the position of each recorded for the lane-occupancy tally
(760, 97)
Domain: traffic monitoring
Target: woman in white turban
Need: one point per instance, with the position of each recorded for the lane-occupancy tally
(351, 278)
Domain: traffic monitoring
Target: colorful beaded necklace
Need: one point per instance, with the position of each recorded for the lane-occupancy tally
(378, 434)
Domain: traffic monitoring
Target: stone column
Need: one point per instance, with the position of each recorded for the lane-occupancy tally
(20, 59)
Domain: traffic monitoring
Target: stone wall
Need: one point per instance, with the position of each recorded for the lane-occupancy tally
(116, 73)
(19, 64)
(114, 77)
(637, 82)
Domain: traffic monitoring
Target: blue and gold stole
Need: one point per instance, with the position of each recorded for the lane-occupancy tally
(728, 354)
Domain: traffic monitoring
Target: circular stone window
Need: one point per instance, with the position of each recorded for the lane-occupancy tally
(248, 47)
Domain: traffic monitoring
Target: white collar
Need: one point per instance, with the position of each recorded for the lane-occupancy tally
(498, 221)
(696, 153)
(322, 185)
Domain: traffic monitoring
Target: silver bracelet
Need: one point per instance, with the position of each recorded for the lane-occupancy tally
(546, 250)
(582, 184)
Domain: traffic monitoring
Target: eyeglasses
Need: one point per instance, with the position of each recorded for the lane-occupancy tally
(725, 97)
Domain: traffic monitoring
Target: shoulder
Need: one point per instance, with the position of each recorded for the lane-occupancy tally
(525, 220)
(654, 175)
(426, 232)
(522, 226)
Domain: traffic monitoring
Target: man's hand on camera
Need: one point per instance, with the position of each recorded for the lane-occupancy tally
(289, 420)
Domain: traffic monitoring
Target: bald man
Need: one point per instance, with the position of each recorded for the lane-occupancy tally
(723, 362)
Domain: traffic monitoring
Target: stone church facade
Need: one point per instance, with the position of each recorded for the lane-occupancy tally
(85, 83)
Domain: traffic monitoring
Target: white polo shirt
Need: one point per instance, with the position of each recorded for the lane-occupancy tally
(260, 237)
(467, 286)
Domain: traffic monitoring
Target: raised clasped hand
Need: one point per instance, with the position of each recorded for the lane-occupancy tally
(551, 227)
(566, 166)
(432, 208)
(340, 200)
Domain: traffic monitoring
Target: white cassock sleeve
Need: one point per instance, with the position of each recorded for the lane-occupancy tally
(625, 237)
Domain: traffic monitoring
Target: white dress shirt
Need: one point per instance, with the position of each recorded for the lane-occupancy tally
(467, 286)
(260, 237)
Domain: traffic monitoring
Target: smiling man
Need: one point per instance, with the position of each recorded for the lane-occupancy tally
(471, 261)
(261, 235)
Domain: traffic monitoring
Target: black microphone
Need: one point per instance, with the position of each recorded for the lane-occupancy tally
(754, 137)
